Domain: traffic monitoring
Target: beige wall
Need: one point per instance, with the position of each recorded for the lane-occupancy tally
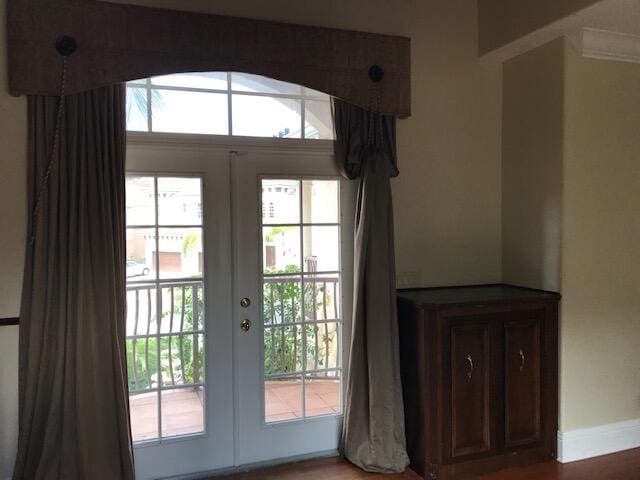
(600, 379)
(8, 399)
(532, 136)
(571, 131)
(12, 227)
(502, 21)
(447, 198)
(13, 119)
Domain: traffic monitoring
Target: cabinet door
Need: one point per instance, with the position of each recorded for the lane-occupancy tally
(469, 389)
(522, 379)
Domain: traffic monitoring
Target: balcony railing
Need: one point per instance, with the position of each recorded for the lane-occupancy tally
(166, 350)
(171, 354)
(298, 339)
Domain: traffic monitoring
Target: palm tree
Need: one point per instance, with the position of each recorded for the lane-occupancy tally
(137, 104)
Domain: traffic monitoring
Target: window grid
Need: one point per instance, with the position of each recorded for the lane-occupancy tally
(158, 284)
(333, 372)
(304, 94)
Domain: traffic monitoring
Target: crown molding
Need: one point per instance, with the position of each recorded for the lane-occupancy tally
(607, 45)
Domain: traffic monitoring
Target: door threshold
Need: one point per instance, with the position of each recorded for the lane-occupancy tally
(254, 466)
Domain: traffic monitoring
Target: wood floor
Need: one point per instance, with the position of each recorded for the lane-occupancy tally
(619, 466)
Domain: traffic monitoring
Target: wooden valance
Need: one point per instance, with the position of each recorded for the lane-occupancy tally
(117, 43)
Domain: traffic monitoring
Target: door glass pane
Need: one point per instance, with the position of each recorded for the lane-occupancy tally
(322, 297)
(180, 252)
(281, 300)
(181, 358)
(190, 112)
(283, 399)
(141, 321)
(142, 363)
(144, 415)
(320, 201)
(179, 201)
(322, 394)
(281, 249)
(140, 254)
(183, 411)
(257, 116)
(282, 349)
(280, 201)
(321, 249)
(165, 350)
(141, 201)
(322, 345)
(182, 307)
(301, 312)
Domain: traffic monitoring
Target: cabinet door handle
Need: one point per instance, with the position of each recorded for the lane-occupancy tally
(470, 360)
(522, 360)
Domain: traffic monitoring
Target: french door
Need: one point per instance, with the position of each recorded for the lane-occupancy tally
(237, 304)
(292, 230)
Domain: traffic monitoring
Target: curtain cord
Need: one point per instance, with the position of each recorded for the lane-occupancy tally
(52, 158)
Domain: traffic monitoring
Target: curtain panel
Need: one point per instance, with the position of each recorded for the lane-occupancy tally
(74, 420)
(373, 436)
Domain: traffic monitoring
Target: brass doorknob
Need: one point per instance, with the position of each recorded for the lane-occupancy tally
(245, 325)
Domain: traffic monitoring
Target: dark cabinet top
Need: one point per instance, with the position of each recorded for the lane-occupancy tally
(477, 294)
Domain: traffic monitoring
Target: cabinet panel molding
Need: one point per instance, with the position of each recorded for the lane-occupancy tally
(469, 394)
(522, 381)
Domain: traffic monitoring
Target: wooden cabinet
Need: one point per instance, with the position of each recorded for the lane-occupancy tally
(479, 375)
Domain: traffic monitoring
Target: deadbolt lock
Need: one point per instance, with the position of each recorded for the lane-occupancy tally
(245, 325)
(245, 302)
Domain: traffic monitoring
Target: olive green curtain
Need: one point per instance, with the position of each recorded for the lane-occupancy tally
(74, 420)
(373, 433)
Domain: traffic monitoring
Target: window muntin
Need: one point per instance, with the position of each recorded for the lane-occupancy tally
(165, 306)
(227, 103)
(301, 298)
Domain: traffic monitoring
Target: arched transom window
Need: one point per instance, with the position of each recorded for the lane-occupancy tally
(227, 103)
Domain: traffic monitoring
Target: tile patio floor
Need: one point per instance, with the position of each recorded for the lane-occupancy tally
(182, 410)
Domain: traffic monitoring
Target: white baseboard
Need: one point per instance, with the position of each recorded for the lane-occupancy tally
(595, 441)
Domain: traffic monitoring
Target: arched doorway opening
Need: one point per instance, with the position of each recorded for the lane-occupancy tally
(239, 235)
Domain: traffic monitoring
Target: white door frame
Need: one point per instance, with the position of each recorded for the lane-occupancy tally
(214, 156)
(257, 441)
(208, 451)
